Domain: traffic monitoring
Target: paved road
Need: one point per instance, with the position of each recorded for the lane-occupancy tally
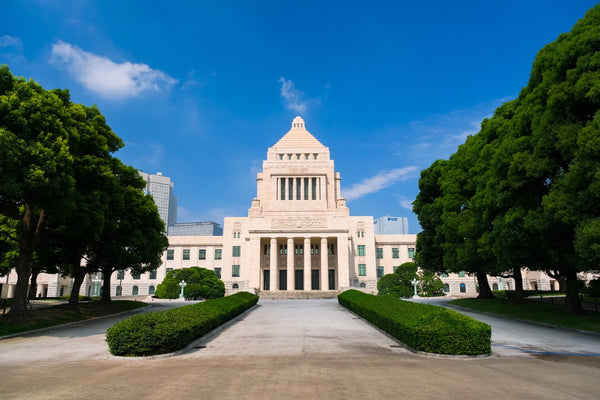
(287, 349)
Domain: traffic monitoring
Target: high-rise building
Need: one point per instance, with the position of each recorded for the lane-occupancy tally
(161, 189)
(391, 225)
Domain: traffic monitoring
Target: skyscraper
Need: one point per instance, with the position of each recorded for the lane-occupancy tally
(161, 189)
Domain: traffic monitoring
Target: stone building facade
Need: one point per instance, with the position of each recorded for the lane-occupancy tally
(298, 237)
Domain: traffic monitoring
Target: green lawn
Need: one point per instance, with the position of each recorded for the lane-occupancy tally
(533, 311)
(61, 314)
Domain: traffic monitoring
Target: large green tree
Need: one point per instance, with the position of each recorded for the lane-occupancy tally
(200, 283)
(36, 167)
(133, 235)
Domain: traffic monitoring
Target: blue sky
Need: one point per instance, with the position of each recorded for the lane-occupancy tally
(200, 89)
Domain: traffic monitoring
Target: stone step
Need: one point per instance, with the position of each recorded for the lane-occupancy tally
(298, 294)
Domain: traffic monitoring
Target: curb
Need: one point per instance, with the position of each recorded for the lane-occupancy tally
(201, 341)
(417, 352)
(74, 323)
(527, 321)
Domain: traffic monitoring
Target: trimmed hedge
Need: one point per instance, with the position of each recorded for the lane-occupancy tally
(423, 327)
(167, 331)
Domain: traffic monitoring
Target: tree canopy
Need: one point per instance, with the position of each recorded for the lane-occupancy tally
(200, 283)
(524, 191)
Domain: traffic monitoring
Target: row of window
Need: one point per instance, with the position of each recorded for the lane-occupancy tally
(121, 274)
(362, 270)
(134, 290)
(299, 249)
(289, 156)
(201, 254)
(305, 188)
(360, 250)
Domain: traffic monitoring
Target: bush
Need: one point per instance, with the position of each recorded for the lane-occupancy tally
(423, 327)
(399, 283)
(200, 283)
(167, 331)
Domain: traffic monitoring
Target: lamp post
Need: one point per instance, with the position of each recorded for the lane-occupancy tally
(182, 284)
(414, 283)
(96, 281)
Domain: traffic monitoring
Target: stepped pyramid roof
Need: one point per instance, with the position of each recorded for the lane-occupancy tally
(298, 137)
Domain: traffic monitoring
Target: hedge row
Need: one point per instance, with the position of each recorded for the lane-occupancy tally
(167, 331)
(423, 327)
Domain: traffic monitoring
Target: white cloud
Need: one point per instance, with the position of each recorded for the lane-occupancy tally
(378, 182)
(107, 78)
(294, 99)
(404, 202)
(11, 41)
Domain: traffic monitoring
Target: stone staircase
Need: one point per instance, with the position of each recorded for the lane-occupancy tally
(297, 294)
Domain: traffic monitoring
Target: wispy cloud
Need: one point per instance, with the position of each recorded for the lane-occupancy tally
(11, 41)
(404, 202)
(293, 99)
(107, 78)
(380, 181)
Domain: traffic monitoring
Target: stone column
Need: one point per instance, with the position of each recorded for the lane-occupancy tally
(324, 265)
(290, 264)
(273, 274)
(307, 266)
(343, 264)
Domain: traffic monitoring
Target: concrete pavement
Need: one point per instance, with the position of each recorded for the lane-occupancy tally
(300, 349)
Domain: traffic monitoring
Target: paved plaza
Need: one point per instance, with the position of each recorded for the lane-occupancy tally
(299, 349)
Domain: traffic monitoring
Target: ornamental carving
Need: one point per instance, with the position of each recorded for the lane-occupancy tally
(301, 222)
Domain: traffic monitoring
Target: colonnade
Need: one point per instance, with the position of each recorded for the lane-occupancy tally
(304, 250)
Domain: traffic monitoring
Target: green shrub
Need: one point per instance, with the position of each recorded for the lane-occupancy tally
(167, 331)
(423, 327)
(200, 283)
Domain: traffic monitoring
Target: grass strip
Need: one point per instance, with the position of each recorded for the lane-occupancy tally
(61, 314)
(534, 311)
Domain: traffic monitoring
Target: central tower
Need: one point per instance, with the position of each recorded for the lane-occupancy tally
(298, 179)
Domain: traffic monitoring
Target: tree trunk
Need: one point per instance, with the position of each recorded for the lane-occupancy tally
(519, 295)
(78, 276)
(484, 286)
(573, 286)
(33, 286)
(30, 239)
(106, 272)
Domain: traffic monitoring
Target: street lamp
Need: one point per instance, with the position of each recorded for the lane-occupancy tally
(182, 284)
(414, 283)
(96, 281)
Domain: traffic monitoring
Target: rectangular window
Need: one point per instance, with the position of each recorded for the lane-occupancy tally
(170, 254)
(135, 276)
(218, 254)
(266, 250)
(379, 252)
(218, 272)
(291, 191)
(411, 252)
(331, 249)
(236, 251)
(169, 270)
(186, 254)
(306, 187)
(444, 274)
(235, 271)
(379, 272)
(362, 269)
(282, 180)
(360, 249)
(299, 249)
(314, 249)
(153, 274)
(314, 188)
(202, 254)
(121, 274)
(298, 188)
(461, 274)
(395, 252)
